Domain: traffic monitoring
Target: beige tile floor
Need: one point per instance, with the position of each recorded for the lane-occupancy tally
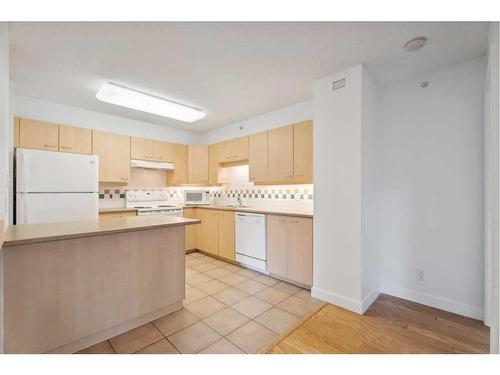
(227, 309)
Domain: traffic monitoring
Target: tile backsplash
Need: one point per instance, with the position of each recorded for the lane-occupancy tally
(299, 196)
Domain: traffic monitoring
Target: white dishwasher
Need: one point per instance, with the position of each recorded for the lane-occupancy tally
(251, 240)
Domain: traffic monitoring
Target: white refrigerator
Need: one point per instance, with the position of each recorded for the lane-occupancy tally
(56, 186)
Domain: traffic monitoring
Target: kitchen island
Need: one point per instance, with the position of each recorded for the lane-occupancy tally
(70, 285)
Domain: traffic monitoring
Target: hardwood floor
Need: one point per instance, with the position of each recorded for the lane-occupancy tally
(391, 325)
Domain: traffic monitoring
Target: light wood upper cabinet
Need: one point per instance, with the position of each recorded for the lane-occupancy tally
(299, 250)
(141, 148)
(289, 248)
(226, 234)
(213, 163)
(190, 235)
(163, 151)
(257, 157)
(276, 245)
(179, 175)
(280, 154)
(114, 156)
(38, 135)
(303, 152)
(75, 140)
(198, 164)
(207, 238)
(16, 132)
(234, 150)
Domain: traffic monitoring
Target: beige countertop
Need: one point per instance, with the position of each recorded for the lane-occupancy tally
(117, 209)
(35, 233)
(261, 210)
(298, 212)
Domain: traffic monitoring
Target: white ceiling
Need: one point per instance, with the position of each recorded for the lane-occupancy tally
(233, 71)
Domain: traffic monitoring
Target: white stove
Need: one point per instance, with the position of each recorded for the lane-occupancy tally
(151, 202)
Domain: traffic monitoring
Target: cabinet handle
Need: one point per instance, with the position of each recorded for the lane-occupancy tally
(66, 148)
(294, 221)
(51, 146)
(282, 220)
(123, 178)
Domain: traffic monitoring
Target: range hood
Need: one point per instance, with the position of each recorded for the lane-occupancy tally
(151, 165)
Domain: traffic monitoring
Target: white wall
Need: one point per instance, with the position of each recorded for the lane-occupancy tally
(337, 190)
(48, 111)
(5, 145)
(491, 187)
(370, 174)
(270, 120)
(432, 188)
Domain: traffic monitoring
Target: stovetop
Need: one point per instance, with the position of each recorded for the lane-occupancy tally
(149, 200)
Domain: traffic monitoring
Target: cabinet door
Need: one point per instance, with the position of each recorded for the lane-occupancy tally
(226, 234)
(163, 151)
(38, 135)
(16, 132)
(280, 154)
(235, 150)
(303, 152)
(277, 245)
(299, 255)
(179, 175)
(213, 163)
(190, 235)
(114, 156)
(198, 164)
(257, 157)
(75, 140)
(141, 149)
(207, 238)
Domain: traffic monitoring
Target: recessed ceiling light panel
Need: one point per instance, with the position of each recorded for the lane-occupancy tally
(125, 97)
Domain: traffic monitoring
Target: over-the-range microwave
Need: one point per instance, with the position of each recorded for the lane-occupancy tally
(196, 197)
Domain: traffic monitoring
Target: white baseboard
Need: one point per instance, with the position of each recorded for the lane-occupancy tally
(475, 312)
(336, 299)
(368, 300)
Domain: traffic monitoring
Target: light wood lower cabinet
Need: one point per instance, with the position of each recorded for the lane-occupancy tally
(116, 214)
(289, 248)
(114, 156)
(38, 135)
(190, 239)
(226, 234)
(75, 140)
(207, 238)
(215, 234)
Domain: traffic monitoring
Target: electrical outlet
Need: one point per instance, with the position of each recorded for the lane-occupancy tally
(420, 275)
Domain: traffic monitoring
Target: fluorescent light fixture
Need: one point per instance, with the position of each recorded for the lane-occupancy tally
(125, 97)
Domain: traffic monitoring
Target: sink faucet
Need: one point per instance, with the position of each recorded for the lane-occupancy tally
(239, 201)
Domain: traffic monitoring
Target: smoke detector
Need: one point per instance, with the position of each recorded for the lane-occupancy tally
(415, 44)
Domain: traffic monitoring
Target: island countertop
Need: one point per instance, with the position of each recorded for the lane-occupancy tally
(35, 233)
